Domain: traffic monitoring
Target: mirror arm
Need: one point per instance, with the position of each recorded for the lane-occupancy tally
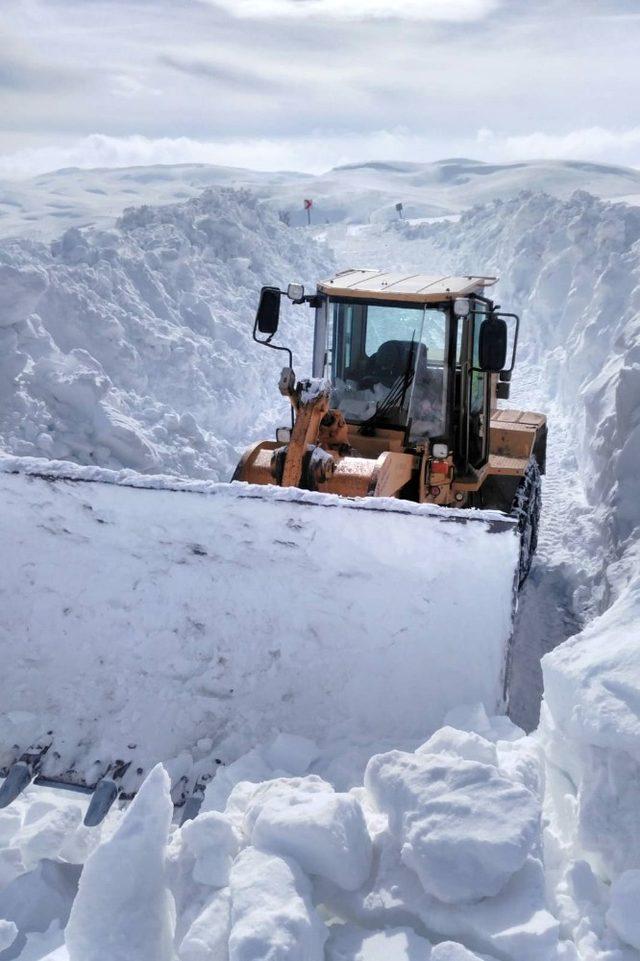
(287, 351)
(314, 300)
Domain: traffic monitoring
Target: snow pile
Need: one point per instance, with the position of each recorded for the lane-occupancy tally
(284, 866)
(132, 347)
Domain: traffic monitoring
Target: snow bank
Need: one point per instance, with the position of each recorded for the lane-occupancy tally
(8, 934)
(452, 951)
(623, 913)
(572, 269)
(590, 730)
(132, 347)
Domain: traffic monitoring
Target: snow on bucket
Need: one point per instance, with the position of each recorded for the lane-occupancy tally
(137, 621)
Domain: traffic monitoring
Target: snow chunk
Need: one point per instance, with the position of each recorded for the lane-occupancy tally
(452, 951)
(20, 290)
(291, 753)
(348, 943)
(523, 760)
(110, 918)
(213, 841)
(8, 934)
(272, 915)
(250, 767)
(40, 898)
(208, 936)
(312, 388)
(304, 818)
(474, 719)
(464, 744)
(464, 829)
(46, 831)
(624, 914)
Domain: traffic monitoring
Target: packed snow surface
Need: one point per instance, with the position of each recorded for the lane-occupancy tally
(468, 842)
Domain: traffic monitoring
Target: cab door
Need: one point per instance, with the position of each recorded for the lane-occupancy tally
(475, 386)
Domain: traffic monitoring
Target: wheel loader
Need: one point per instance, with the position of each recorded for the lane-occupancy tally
(355, 582)
(408, 371)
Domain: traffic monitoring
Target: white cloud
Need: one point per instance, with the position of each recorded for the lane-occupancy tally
(589, 143)
(315, 153)
(451, 11)
(319, 151)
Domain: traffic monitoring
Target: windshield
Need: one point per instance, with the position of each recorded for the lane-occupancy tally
(388, 364)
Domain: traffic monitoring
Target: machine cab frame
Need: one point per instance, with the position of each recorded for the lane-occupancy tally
(402, 355)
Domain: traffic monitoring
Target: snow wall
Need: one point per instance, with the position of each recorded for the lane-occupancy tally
(131, 347)
(157, 618)
(572, 268)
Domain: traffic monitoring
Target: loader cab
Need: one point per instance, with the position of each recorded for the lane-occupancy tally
(402, 355)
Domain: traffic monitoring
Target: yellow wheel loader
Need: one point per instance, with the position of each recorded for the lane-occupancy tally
(408, 371)
(354, 583)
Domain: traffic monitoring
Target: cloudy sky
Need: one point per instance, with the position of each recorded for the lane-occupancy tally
(308, 84)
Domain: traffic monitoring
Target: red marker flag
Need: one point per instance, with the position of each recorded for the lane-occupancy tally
(308, 204)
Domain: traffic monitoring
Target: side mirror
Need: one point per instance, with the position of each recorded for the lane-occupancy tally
(492, 345)
(268, 313)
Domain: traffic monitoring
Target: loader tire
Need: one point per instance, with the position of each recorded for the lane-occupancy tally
(527, 505)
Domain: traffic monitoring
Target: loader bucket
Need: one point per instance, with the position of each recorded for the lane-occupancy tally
(146, 619)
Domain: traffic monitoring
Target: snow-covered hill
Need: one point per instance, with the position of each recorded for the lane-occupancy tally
(46, 205)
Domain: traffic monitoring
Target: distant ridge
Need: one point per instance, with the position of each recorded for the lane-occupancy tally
(355, 193)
